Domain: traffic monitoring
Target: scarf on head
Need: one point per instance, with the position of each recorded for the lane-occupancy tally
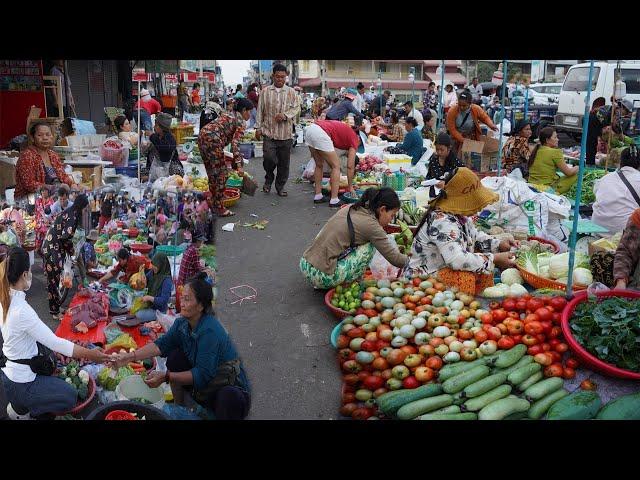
(160, 261)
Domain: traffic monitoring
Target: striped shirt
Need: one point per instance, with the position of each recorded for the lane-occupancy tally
(270, 103)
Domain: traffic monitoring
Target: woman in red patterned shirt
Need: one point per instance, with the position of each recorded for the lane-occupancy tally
(190, 264)
(39, 165)
(227, 129)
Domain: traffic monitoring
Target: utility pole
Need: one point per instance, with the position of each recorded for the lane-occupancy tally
(323, 82)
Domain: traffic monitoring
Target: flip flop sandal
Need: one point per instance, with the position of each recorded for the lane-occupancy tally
(226, 213)
(282, 193)
(266, 189)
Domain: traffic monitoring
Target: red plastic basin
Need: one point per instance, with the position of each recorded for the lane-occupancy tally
(587, 358)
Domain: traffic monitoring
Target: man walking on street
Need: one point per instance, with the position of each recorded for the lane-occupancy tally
(476, 91)
(278, 106)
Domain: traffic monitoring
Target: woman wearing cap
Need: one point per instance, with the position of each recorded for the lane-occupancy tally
(412, 144)
(448, 244)
(442, 163)
(324, 138)
(162, 160)
(343, 249)
(57, 245)
(159, 286)
(544, 162)
(449, 97)
(343, 108)
(151, 105)
(464, 119)
(516, 151)
(227, 129)
(39, 165)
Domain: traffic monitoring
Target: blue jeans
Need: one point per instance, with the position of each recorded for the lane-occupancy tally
(45, 395)
(146, 315)
(252, 119)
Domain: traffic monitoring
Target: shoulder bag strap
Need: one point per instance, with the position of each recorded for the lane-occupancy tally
(465, 117)
(352, 233)
(634, 194)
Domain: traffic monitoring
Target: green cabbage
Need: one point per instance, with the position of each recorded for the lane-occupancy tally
(559, 264)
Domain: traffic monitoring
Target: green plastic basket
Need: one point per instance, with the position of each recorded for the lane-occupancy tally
(231, 183)
(335, 333)
(171, 250)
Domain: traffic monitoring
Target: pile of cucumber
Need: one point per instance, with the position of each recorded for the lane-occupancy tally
(507, 385)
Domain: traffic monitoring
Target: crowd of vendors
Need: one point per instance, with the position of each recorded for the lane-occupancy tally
(439, 229)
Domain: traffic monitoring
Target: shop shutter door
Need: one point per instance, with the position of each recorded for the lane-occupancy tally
(80, 87)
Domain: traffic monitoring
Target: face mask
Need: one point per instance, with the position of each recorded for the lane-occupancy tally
(28, 281)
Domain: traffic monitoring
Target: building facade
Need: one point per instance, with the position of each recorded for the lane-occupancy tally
(328, 76)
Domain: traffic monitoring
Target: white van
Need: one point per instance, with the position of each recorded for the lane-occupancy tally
(574, 91)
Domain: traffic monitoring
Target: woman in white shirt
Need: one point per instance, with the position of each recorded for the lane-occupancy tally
(31, 395)
(614, 201)
(123, 129)
(449, 98)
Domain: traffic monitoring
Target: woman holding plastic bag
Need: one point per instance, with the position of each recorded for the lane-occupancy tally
(343, 249)
(162, 159)
(447, 243)
(159, 286)
(58, 244)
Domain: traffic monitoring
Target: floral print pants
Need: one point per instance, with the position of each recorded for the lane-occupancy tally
(212, 150)
(53, 266)
(348, 269)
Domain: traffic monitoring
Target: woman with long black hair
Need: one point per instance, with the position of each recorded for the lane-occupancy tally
(343, 249)
(32, 393)
(442, 162)
(57, 245)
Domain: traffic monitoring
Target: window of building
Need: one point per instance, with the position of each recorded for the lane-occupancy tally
(331, 65)
(382, 67)
(305, 65)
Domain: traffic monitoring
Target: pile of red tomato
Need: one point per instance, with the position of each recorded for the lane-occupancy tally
(535, 322)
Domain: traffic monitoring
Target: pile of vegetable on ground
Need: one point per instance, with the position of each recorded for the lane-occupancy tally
(75, 377)
(589, 179)
(416, 350)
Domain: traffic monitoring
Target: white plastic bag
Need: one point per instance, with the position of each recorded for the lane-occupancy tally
(165, 320)
(309, 170)
(158, 170)
(67, 274)
(381, 268)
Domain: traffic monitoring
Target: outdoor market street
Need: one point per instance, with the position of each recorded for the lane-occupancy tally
(284, 336)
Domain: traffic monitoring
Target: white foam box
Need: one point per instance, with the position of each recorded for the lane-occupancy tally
(397, 161)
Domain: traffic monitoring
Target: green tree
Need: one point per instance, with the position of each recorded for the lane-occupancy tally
(485, 71)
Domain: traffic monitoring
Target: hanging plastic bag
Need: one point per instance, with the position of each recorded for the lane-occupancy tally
(595, 289)
(67, 274)
(309, 170)
(158, 170)
(138, 281)
(165, 320)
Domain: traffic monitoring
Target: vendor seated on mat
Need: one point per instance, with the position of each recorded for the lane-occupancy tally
(159, 286)
(31, 394)
(87, 259)
(448, 244)
(546, 159)
(190, 264)
(412, 144)
(202, 360)
(626, 264)
(127, 263)
(341, 253)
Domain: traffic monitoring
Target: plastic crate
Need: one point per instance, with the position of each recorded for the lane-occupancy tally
(130, 171)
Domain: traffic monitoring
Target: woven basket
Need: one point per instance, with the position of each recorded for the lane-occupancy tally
(231, 197)
(337, 312)
(540, 282)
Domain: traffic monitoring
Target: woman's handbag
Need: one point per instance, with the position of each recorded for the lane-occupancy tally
(42, 364)
(249, 186)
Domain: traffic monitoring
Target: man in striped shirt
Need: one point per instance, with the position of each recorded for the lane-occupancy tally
(278, 106)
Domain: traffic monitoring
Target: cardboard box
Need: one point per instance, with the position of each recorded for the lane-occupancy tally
(480, 155)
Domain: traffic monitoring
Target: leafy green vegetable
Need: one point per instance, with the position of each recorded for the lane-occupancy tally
(610, 330)
(528, 260)
(589, 179)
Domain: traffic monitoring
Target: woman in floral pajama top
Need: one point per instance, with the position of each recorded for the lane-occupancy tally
(228, 128)
(57, 244)
(447, 242)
